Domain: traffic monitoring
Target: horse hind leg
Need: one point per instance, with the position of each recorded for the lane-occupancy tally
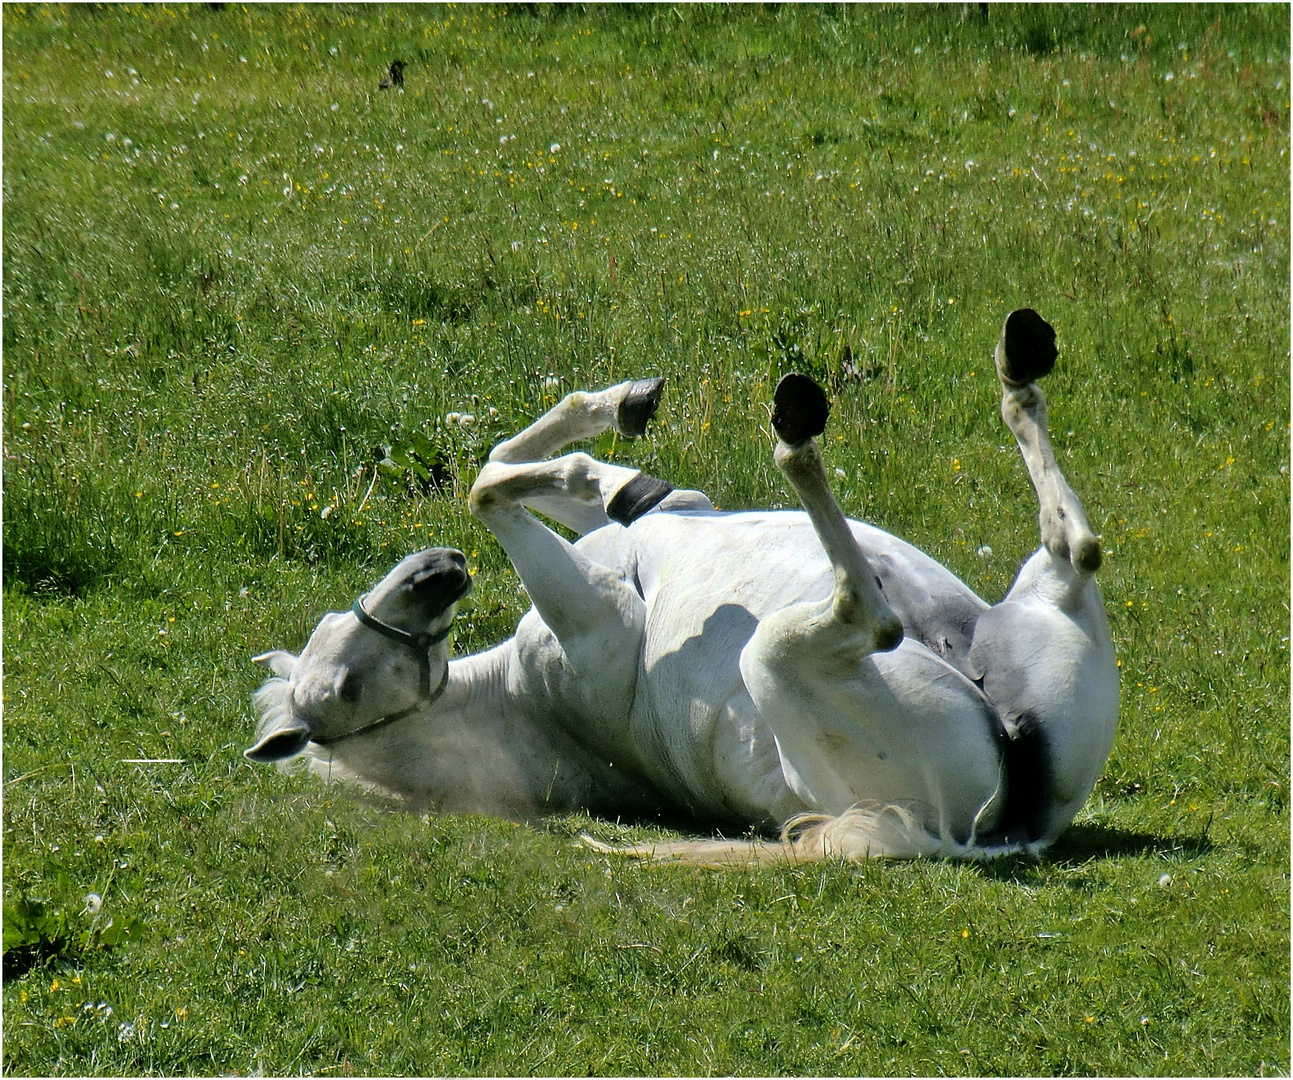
(1043, 655)
(1025, 353)
(799, 660)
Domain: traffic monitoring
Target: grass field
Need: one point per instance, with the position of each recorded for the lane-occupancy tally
(236, 274)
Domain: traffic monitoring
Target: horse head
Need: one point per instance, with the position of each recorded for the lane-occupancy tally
(377, 663)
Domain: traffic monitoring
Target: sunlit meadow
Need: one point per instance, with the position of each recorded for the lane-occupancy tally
(262, 323)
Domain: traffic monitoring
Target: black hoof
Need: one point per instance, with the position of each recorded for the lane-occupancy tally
(635, 498)
(638, 406)
(799, 409)
(1026, 351)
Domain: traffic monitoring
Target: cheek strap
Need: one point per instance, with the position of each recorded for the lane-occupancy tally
(419, 643)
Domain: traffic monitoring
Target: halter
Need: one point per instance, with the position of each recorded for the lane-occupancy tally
(421, 645)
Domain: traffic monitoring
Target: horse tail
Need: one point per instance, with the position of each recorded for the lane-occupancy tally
(887, 832)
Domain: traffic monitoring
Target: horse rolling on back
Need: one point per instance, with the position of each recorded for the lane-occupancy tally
(766, 670)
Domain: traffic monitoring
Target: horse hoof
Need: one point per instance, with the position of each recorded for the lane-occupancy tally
(638, 406)
(799, 409)
(1026, 351)
(635, 498)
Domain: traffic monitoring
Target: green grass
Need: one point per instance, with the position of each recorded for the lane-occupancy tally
(234, 273)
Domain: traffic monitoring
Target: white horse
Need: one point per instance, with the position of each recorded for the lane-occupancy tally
(754, 669)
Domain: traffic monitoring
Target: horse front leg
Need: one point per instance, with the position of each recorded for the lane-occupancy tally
(1044, 656)
(584, 414)
(625, 408)
(580, 648)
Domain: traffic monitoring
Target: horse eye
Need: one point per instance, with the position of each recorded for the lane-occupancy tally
(350, 688)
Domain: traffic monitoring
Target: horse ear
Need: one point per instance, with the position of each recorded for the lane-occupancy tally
(279, 662)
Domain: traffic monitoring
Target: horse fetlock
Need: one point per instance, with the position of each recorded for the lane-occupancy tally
(1023, 406)
(576, 477)
(578, 401)
(798, 459)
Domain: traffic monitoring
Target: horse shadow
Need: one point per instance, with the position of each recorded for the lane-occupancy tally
(1081, 845)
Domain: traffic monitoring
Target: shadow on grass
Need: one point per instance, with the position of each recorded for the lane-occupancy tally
(1083, 844)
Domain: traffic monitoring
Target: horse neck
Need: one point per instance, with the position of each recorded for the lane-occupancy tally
(478, 686)
(477, 748)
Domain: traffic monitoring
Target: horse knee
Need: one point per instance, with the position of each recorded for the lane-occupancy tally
(486, 495)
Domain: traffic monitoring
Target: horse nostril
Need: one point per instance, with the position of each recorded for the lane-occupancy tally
(350, 688)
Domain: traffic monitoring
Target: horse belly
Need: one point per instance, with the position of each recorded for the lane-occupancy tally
(707, 580)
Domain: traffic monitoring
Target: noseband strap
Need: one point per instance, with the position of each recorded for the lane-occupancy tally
(421, 645)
